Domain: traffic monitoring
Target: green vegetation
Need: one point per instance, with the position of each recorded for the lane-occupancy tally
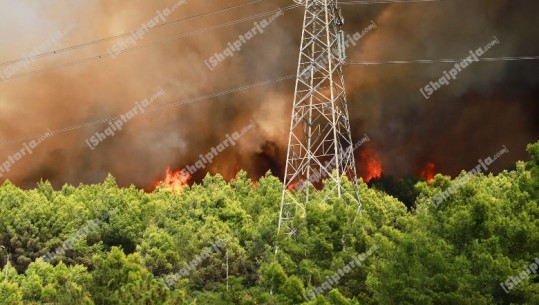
(456, 253)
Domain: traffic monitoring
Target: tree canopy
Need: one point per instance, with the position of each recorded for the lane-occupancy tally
(213, 243)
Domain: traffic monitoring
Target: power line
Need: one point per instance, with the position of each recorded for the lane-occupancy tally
(128, 34)
(247, 87)
(434, 61)
(78, 46)
(384, 1)
(153, 109)
(181, 36)
(106, 55)
(260, 84)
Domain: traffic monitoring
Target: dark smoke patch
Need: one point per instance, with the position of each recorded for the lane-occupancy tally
(269, 158)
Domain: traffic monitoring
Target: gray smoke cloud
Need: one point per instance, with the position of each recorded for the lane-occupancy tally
(489, 105)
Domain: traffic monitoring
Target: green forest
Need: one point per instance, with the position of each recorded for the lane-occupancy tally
(214, 243)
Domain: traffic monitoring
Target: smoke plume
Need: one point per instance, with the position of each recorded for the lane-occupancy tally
(489, 105)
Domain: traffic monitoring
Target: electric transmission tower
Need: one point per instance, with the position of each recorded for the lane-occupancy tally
(320, 143)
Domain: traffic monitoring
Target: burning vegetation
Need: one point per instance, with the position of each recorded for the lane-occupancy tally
(428, 171)
(174, 181)
(371, 164)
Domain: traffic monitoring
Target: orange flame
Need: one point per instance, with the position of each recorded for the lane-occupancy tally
(174, 180)
(428, 171)
(291, 186)
(371, 163)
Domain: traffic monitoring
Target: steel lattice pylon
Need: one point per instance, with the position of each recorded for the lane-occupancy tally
(320, 141)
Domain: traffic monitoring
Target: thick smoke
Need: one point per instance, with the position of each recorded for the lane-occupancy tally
(489, 105)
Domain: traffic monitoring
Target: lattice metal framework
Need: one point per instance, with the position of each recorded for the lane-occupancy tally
(320, 140)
